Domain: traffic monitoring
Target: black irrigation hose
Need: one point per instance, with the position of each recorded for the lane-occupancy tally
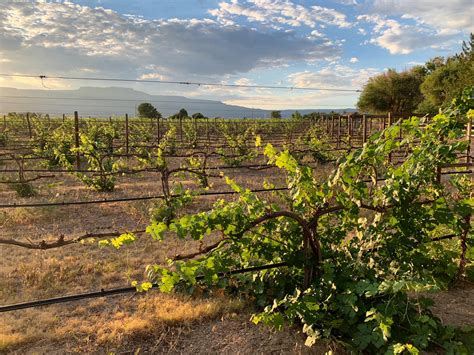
(130, 289)
(120, 290)
(125, 199)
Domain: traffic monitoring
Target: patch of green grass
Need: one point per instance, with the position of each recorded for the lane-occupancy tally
(24, 189)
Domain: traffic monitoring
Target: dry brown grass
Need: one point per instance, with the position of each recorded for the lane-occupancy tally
(103, 322)
(149, 323)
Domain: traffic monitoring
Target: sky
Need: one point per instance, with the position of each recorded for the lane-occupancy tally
(331, 44)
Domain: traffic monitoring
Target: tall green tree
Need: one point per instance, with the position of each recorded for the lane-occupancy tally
(182, 113)
(275, 114)
(147, 110)
(296, 115)
(393, 91)
(198, 116)
(446, 79)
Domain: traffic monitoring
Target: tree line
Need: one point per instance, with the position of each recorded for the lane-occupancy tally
(423, 89)
(147, 110)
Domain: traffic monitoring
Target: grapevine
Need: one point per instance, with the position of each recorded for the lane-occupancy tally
(352, 249)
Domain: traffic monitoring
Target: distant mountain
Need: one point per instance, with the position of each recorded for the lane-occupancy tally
(99, 102)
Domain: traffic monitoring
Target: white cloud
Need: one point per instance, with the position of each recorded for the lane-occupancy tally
(400, 38)
(153, 76)
(354, 60)
(448, 16)
(244, 81)
(283, 12)
(347, 2)
(334, 76)
(61, 38)
(413, 62)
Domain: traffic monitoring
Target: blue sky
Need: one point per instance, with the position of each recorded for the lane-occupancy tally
(330, 44)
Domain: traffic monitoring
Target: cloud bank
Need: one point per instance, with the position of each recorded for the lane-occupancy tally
(66, 37)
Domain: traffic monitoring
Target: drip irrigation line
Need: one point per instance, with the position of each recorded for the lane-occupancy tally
(126, 199)
(131, 289)
(42, 77)
(121, 290)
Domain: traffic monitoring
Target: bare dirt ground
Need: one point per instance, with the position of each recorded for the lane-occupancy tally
(150, 323)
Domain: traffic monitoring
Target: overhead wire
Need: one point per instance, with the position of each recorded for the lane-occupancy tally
(196, 83)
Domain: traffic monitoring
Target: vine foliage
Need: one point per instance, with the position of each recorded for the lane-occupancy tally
(352, 245)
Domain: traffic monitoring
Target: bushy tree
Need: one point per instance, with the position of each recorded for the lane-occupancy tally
(147, 110)
(393, 91)
(446, 79)
(198, 116)
(182, 113)
(422, 89)
(296, 115)
(275, 114)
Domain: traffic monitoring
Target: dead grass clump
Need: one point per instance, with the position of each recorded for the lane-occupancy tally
(109, 323)
(26, 216)
(15, 335)
(9, 341)
(154, 313)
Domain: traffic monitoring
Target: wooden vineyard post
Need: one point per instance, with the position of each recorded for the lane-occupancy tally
(332, 126)
(207, 132)
(29, 124)
(4, 122)
(364, 129)
(349, 128)
(181, 129)
(158, 129)
(64, 117)
(291, 132)
(327, 124)
(110, 119)
(126, 134)
(76, 134)
(438, 174)
(215, 130)
(195, 123)
(468, 137)
(338, 131)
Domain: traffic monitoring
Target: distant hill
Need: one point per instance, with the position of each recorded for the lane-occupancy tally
(94, 101)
